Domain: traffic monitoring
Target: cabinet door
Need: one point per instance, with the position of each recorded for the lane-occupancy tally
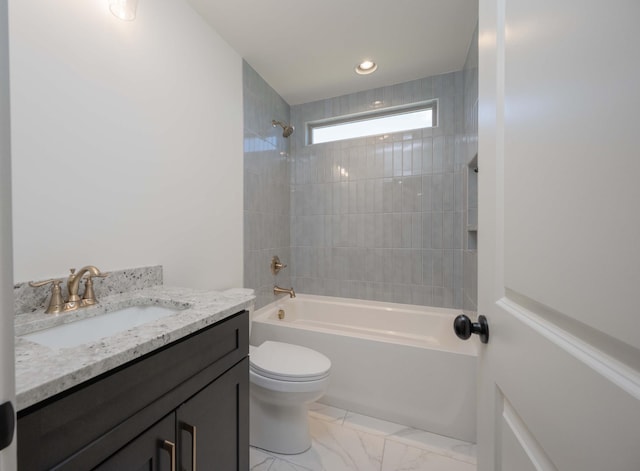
(213, 426)
(151, 451)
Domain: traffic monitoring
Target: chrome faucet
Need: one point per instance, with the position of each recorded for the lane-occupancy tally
(290, 291)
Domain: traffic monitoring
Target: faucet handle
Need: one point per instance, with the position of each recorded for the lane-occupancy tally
(38, 284)
(89, 296)
(56, 303)
(276, 266)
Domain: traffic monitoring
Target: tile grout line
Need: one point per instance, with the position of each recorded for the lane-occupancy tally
(384, 450)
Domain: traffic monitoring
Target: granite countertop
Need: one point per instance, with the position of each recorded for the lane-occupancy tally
(42, 372)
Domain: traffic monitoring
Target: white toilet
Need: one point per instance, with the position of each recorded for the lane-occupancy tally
(284, 379)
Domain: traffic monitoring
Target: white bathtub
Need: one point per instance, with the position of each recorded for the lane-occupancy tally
(397, 362)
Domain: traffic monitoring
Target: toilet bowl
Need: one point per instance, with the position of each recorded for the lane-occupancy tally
(284, 379)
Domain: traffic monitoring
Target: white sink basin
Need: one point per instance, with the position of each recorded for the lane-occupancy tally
(94, 328)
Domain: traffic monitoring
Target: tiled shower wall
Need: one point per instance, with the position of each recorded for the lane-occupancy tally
(381, 218)
(470, 146)
(266, 187)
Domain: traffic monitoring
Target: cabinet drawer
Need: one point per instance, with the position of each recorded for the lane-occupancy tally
(52, 431)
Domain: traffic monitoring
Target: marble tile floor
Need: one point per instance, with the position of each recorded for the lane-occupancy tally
(346, 441)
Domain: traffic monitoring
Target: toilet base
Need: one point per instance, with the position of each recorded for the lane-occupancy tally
(278, 428)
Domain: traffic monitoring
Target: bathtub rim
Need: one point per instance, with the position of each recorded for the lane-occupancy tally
(463, 348)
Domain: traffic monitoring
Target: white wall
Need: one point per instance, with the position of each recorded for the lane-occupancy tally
(127, 142)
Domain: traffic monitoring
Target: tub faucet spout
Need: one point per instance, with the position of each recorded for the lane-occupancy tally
(290, 291)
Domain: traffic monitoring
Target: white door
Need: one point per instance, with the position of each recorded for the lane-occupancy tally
(7, 388)
(559, 235)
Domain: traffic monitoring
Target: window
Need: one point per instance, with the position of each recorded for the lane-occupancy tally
(387, 121)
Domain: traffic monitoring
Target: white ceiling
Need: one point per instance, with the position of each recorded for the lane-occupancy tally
(307, 49)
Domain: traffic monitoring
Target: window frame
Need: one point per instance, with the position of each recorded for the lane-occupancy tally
(372, 115)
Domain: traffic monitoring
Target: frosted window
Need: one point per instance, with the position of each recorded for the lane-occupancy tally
(380, 123)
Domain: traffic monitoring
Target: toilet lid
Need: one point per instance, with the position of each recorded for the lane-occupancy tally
(286, 362)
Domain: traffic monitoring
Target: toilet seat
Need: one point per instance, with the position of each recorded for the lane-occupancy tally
(286, 362)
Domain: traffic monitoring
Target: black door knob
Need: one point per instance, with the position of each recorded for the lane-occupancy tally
(463, 328)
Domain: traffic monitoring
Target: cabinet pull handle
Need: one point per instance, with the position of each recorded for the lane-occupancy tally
(171, 448)
(191, 429)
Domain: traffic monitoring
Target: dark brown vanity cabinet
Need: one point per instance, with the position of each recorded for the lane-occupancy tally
(187, 400)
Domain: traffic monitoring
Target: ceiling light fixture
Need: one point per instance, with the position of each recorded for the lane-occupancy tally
(366, 67)
(124, 9)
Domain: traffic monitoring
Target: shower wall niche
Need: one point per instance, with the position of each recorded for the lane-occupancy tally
(471, 201)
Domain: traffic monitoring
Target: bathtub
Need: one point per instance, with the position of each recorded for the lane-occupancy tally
(397, 362)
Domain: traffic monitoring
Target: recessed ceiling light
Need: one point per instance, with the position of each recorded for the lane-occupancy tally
(366, 67)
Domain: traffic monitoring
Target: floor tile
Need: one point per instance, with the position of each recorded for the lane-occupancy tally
(398, 456)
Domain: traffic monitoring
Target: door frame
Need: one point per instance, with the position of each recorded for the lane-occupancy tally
(7, 380)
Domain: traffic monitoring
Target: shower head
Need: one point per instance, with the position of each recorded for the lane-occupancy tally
(286, 129)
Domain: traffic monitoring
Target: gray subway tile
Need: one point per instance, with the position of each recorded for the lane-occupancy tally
(426, 231)
(448, 228)
(387, 195)
(448, 260)
(369, 196)
(397, 159)
(437, 192)
(416, 230)
(427, 155)
(406, 230)
(439, 144)
(387, 230)
(427, 266)
(396, 224)
(437, 230)
(427, 187)
(378, 195)
(448, 190)
(438, 268)
(398, 184)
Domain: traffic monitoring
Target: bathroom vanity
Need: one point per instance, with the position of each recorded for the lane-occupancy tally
(171, 394)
